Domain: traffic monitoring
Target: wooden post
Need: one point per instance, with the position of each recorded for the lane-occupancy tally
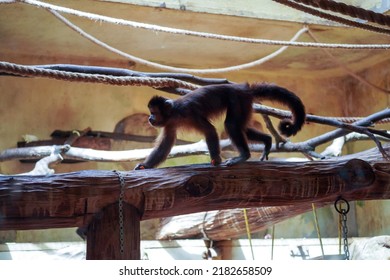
(104, 234)
(225, 249)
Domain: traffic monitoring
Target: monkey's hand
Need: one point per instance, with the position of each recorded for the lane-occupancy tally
(141, 166)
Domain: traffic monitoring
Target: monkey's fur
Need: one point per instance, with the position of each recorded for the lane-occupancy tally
(196, 109)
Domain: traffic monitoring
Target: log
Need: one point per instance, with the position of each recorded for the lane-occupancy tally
(71, 199)
(229, 224)
(90, 198)
(226, 224)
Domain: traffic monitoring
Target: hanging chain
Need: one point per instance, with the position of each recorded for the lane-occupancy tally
(120, 211)
(343, 213)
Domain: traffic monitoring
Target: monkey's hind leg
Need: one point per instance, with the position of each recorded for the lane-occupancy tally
(255, 135)
(212, 141)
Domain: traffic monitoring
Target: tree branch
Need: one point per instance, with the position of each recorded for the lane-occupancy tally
(359, 126)
(306, 147)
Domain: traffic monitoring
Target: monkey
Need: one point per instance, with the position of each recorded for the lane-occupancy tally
(196, 110)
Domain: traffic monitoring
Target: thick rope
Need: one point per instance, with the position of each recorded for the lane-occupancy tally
(172, 68)
(29, 71)
(158, 28)
(348, 10)
(331, 17)
(351, 120)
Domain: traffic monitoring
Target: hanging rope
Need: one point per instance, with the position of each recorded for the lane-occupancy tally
(331, 17)
(218, 70)
(29, 71)
(172, 68)
(177, 31)
(215, 70)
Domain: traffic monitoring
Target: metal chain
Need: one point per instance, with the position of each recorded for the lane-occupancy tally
(120, 211)
(343, 213)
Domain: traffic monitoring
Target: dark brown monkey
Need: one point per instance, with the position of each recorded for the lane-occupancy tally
(196, 109)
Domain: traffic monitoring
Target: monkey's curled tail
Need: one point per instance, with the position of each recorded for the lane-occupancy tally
(287, 127)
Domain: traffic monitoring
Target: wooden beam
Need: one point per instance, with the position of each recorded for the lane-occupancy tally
(68, 200)
(107, 240)
(227, 224)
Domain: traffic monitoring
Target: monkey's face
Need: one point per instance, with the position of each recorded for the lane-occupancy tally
(156, 118)
(160, 111)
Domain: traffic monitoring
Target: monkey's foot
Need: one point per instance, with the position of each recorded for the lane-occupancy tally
(264, 156)
(235, 160)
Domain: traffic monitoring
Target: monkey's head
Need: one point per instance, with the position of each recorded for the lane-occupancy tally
(160, 110)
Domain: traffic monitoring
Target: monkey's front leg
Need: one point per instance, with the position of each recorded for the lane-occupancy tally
(212, 141)
(165, 142)
(213, 146)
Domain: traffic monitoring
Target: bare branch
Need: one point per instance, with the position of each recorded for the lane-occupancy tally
(359, 126)
(306, 147)
(42, 167)
(334, 150)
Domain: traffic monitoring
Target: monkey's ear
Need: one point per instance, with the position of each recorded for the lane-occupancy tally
(168, 105)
